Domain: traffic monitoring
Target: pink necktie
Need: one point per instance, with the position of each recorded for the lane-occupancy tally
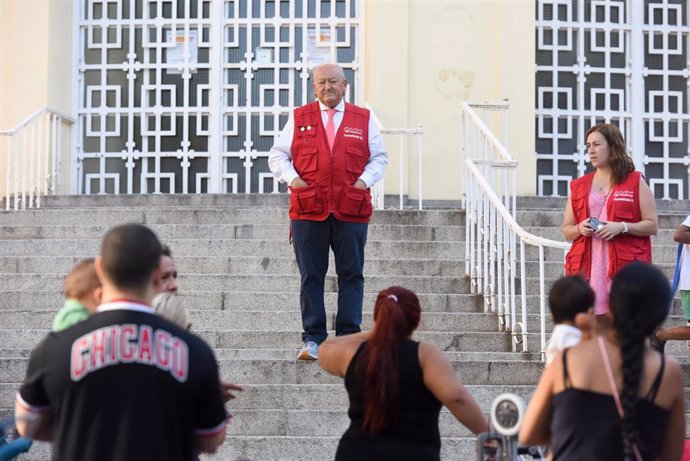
(330, 127)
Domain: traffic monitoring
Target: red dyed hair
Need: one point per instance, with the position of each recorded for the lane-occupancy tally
(396, 316)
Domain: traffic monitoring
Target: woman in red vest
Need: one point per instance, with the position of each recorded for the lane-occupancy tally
(610, 215)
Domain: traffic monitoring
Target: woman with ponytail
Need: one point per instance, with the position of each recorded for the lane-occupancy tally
(613, 398)
(396, 386)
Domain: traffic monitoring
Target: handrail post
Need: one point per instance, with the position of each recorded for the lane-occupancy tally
(401, 162)
(490, 215)
(33, 158)
(420, 147)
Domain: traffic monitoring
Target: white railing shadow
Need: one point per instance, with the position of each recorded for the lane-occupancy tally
(30, 158)
(377, 191)
(492, 234)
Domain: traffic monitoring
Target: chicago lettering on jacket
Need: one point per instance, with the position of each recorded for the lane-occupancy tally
(129, 343)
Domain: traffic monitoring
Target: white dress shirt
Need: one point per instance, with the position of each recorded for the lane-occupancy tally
(280, 157)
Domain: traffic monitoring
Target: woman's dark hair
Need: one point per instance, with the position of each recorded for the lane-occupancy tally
(621, 163)
(396, 316)
(640, 299)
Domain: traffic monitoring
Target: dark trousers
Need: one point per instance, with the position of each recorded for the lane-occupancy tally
(312, 240)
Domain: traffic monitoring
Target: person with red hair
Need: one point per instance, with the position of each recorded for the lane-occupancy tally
(396, 386)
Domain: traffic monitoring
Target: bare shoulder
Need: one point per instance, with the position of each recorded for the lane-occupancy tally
(671, 386)
(429, 352)
(335, 357)
(673, 371)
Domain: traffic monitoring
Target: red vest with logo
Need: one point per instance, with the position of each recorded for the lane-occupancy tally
(623, 205)
(330, 173)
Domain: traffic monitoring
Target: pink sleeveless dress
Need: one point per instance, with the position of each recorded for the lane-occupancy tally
(599, 278)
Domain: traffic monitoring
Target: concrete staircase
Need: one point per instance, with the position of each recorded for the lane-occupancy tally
(240, 281)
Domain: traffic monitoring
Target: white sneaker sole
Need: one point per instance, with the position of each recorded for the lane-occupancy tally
(305, 355)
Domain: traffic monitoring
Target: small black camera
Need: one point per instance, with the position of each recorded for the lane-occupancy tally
(595, 224)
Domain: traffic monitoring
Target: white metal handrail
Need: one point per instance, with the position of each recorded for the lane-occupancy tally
(492, 234)
(403, 133)
(31, 158)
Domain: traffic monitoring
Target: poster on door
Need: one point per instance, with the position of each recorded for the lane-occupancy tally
(319, 45)
(175, 53)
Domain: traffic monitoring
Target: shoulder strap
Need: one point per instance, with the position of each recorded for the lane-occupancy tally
(566, 376)
(609, 375)
(651, 395)
(614, 389)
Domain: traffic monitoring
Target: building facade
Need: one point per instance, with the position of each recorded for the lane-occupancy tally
(187, 96)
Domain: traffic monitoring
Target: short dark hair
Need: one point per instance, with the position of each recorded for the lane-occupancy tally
(130, 254)
(166, 250)
(568, 297)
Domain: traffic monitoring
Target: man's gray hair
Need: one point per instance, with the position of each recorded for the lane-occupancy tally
(337, 66)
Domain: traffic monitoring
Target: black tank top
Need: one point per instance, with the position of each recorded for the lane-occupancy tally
(585, 425)
(414, 436)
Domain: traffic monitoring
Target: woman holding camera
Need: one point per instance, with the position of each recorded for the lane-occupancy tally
(396, 386)
(610, 215)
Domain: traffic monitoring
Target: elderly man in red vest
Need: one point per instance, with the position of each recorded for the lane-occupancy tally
(330, 153)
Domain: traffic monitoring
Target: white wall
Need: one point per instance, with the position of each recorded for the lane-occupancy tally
(425, 57)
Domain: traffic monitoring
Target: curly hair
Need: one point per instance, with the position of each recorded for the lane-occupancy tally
(621, 163)
(640, 299)
(396, 316)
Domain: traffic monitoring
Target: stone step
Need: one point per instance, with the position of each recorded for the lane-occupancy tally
(257, 265)
(301, 397)
(166, 200)
(376, 249)
(252, 300)
(279, 200)
(270, 282)
(109, 216)
(245, 265)
(554, 218)
(290, 354)
(283, 345)
(265, 231)
(558, 203)
(294, 372)
(244, 300)
(201, 247)
(248, 321)
(320, 423)
(295, 447)
(267, 282)
(282, 320)
(400, 249)
(268, 232)
(261, 339)
(275, 448)
(481, 372)
(317, 448)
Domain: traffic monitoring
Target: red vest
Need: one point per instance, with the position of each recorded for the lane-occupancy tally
(623, 205)
(330, 174)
